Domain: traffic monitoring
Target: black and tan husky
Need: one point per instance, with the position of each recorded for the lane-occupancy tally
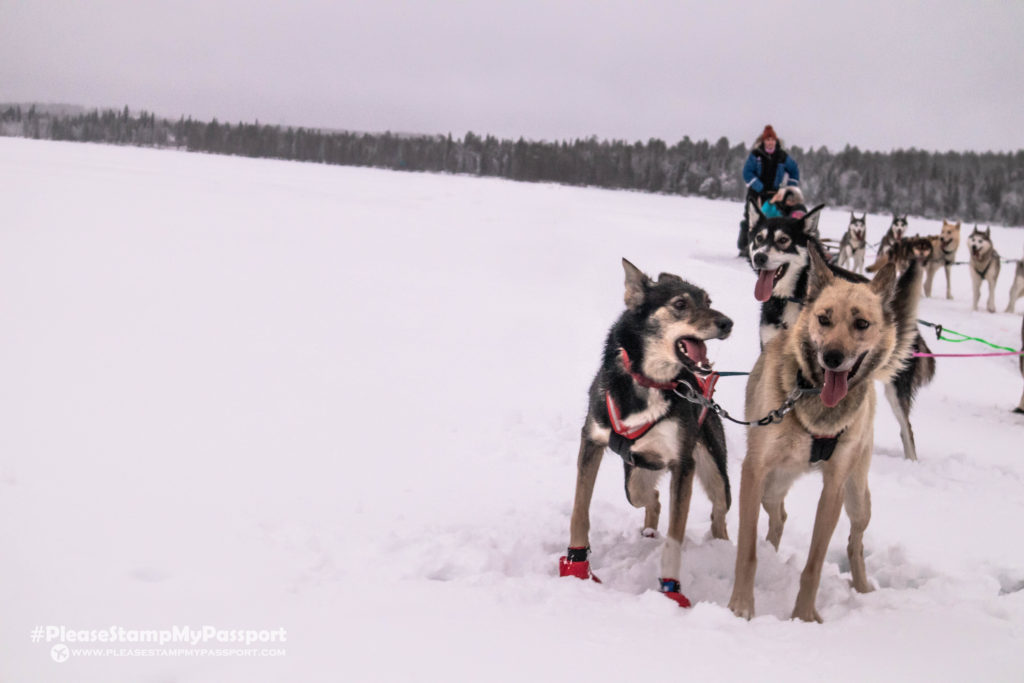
(847, 334)
(656, 343)
(780, 251)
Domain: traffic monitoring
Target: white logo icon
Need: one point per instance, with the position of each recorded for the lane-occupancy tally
(60, 653)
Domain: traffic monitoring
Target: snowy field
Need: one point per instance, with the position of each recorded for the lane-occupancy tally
(346, 403)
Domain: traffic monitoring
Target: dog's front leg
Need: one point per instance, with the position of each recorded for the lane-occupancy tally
(992, 292)
(587, 464)
(949, 283)
(929, 277)
(829, 506)
(858, 509)
(1016, 290)
(751, 490)
(679, 508)
(976, 287)
(901, 409)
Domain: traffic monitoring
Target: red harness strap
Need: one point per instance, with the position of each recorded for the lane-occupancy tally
(707, 388)
(616, 419)
(644, 380)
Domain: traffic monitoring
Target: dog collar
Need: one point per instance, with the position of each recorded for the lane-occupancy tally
(706, 384)
(623, 437)
(641, 379)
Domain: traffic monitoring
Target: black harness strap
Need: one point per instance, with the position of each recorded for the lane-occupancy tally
(822, 447)
(981, 273)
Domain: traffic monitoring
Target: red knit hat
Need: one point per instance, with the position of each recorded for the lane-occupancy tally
(769, 133)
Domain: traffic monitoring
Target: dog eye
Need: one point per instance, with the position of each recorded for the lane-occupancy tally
(824, 321)
(679, 304)
(782, 242)
(861, 324)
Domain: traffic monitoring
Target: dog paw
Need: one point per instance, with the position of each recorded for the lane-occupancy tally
(742, 607)
(648, 532)
(810, 615)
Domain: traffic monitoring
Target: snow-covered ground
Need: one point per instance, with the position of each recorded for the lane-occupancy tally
(346, 402)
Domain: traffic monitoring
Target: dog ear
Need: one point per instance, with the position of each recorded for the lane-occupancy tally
(884, 284)
(753, 214)
(810, 220)
(821, 275)
(636, 286)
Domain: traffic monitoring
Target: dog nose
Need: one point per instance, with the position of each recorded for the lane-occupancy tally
(760, 259)
(724, 325)
(833, 359)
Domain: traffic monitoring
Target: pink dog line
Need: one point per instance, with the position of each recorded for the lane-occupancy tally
(966, 355)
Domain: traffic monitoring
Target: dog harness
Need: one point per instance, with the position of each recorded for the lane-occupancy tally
(822, 445)
(981, 273)
(622, 437)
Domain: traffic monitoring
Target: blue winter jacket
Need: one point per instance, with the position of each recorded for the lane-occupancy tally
(754, 168)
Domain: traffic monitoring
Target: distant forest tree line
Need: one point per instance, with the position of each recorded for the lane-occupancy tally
(973, 187)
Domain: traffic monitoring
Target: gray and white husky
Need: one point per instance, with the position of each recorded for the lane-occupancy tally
(854, 244)
(984, 266)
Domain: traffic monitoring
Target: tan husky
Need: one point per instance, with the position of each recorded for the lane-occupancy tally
(847, 335)
(944, 249)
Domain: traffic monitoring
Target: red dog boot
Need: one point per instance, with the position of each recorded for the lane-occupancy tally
(670, 587)
(575, 563)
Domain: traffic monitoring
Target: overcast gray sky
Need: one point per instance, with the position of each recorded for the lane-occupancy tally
(873, 73)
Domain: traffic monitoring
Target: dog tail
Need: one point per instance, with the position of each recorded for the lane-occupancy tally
(714, 439)
(904, 308)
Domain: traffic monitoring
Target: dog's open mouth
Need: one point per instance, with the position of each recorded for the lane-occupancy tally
(837, 384)
(766, 280)
(693, 352)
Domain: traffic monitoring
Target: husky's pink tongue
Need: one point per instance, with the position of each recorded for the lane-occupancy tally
(765, 281)
(697, 351)
(835, 387)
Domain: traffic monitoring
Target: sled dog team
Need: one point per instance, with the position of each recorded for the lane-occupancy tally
(933, 252)
(826, 334)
